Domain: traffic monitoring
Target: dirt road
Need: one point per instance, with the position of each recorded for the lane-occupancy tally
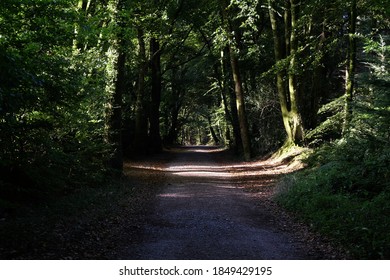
(213, 207)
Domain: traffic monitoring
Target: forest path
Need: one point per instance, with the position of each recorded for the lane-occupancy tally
(213, 207)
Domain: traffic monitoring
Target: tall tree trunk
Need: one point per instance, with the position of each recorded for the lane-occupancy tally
(154, 133)
(115, 106)
(235, 121)
(317, 89)
(351, 65)
(238, 88)
(224, 104)
(240, 103)
(295, 115)
(115, 120)
(280, 76)
(229, 95)
(141, 121)
(287, 27)
(288, 93)
(229, 105)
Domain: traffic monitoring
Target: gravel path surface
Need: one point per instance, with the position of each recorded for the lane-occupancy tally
(212, 207)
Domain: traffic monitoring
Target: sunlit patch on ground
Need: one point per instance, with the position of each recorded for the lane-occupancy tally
(226, 170)
(214, 166)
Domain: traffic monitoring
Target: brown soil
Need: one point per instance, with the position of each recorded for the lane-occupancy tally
(212, 206)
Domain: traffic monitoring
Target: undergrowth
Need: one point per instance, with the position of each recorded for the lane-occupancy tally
(345, 190)
(344, 194)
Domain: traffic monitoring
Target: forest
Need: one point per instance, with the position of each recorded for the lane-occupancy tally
(87, 84)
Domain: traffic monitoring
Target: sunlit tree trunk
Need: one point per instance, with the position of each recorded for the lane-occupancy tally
(238, 88)
(77, 27)
(295, 120)
(351, 65)
(240, 103)
(82, 8)
(288, 94)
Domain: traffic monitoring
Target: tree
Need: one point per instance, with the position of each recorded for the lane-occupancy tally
(351, 65)
(233, 44)
(288, 94)
(52, 95)
(154, 134)
(140, 143)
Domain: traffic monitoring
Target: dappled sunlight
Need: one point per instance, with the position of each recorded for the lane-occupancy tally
(174, 195)
(197, 149)
(187, 167)
(227, 187)
(142, 167)
(210, 189)
(211, 171)
(208, 174)
(214, 170)
(193, 174)
(208, 164)
(230, 171)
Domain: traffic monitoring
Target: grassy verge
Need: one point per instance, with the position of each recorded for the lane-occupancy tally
(344, 193)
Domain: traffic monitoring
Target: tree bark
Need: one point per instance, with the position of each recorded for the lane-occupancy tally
(115, 106)
(240, 103)
(287, 27)
(155, 143)
(228, 98)
(238, 88)
(115, 121)
(287, 93)
(224, 104)
(351, 65)
(141, 120)
(295, 115)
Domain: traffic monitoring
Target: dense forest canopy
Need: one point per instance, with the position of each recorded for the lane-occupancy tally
(86, 83)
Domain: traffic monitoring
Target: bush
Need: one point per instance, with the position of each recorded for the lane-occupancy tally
(344, 194)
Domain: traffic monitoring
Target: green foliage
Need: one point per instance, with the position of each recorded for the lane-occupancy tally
(321, 198)
(264, 114)
(331, 120)
(345, 191)
(51, 100)
(58, 74)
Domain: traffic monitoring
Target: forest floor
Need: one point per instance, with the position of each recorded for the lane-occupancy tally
(185, 203)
